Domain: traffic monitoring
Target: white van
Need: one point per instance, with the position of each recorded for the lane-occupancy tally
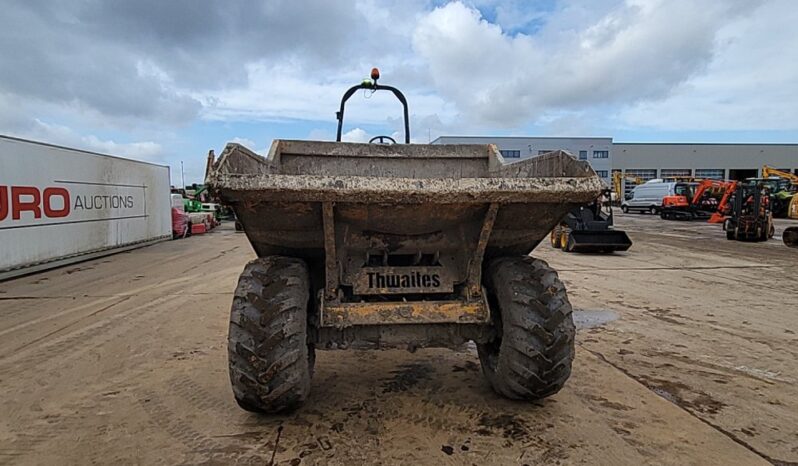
(647, 197)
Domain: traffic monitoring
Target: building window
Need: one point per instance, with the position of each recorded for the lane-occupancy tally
(511, 154)
(635, 176)
(601, 154)
(710, 173)
(602, 173)
(675, 174)
(544, 151)
(582, 155)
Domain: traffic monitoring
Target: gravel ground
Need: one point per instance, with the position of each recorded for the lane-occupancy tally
(686, 354)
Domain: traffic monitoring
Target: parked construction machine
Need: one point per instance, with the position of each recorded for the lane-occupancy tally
(790, 237)
(589, 228)
(701, 201)
(750, 217)
(785, 196)
(618, 181)
(397, 246)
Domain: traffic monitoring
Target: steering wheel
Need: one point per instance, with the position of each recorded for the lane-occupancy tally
(382, 139)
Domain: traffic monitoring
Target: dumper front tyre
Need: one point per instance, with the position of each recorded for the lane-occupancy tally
(531, 357)
(269, 355)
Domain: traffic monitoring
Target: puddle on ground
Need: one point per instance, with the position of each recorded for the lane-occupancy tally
(589, 318)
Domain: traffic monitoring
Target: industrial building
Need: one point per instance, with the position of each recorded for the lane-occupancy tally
(647, 161)
(597, 151)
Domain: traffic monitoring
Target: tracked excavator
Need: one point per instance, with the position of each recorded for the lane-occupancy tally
(702, 204)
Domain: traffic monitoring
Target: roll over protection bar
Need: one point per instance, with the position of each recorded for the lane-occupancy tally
(374, 87)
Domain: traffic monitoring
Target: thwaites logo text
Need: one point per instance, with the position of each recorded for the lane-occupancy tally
(405, 280)
(40, 205)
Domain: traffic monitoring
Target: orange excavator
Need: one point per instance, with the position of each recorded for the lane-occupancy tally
(703, 203)
(722, 212)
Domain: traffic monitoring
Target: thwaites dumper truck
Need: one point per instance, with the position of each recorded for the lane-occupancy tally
(397, 246)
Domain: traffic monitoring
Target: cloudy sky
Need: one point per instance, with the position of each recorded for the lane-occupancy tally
(167, 80)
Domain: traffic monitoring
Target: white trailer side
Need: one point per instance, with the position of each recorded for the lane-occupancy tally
(60, 205)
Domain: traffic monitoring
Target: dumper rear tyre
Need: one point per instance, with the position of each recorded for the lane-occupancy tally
(270, 357)
(532, 356)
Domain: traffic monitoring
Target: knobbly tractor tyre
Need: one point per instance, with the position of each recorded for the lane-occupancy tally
(554, 237)
(270, 359)
(532, 356)
(566, 243)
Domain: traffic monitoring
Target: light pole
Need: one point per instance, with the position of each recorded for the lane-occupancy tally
(182, 176)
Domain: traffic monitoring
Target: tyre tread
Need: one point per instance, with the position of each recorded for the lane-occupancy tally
(534, 357)
(267, 340)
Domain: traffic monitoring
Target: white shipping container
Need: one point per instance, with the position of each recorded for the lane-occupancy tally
(61, 205)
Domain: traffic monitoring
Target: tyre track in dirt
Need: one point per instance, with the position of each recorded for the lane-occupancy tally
(94, 334)
(153, 389)
(199, 447)
(73, 344)
(692, 413)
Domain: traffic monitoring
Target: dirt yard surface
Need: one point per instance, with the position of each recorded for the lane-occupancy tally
(687, 354)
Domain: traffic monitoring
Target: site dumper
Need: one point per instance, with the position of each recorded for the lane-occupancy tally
(397, 246)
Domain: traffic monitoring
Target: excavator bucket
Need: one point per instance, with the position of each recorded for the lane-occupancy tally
(790, 237)
(598, 241)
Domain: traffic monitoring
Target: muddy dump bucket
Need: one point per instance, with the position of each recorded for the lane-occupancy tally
(394, 198)
(598, 241)
(790, 237)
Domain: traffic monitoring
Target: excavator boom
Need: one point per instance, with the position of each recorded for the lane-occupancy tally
(768, 172)
(723, 207)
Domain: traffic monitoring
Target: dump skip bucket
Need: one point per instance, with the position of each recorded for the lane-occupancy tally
(598, 241)
(397, 197)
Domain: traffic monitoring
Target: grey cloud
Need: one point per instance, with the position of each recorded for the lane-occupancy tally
(207, 43)
(142, 60)
(636, 51)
